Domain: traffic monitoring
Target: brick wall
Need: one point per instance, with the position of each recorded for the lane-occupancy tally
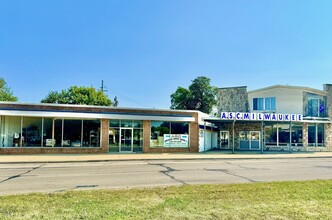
(52, 150)
(104, 135)
(193, 139)
(146, 136)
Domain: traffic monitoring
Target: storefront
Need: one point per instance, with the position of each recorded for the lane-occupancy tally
(276, 118)
(52, 128)
(272, 132)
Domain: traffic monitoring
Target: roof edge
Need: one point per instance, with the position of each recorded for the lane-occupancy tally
(96, 106)
(308, 89)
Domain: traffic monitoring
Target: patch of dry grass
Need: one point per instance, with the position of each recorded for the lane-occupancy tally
(278, 200)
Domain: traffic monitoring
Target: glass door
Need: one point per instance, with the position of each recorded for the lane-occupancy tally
(126, 140)
(244, 140)
(224, 144)
(255, 140)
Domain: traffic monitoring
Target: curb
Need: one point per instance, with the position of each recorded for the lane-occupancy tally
(114, 158)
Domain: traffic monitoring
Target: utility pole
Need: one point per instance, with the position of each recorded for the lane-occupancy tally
(103, 88)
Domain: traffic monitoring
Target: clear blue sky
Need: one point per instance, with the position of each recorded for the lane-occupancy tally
(145, 49)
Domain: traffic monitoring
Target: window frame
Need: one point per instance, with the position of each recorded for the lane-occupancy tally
(264, 103)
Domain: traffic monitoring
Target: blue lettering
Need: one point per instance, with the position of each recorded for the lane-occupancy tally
(293, 117)
(280, 117)
(246, 116)
(238, 116)
(286, 117)
(231, 115)
(260, 116)
(299, 117)
(223, 115)
(274, 118)
(267, 116)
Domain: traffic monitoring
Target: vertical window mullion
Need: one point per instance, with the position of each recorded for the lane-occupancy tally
(82, 133)
(277, 135)
(42, 133)
(21, 144)
(53, 127)
(62, 127)
(316, 135)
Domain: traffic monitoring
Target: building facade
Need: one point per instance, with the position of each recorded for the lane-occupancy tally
(53, 128)
(285, 118)
(275, 118)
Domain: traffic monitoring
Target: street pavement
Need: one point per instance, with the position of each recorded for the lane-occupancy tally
(47, 158)
(17, 178)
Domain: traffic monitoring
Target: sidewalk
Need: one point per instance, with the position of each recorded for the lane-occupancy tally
(42, 158)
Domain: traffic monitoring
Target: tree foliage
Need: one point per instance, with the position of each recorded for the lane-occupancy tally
(199, 96)
(5, 93)
(78, 95)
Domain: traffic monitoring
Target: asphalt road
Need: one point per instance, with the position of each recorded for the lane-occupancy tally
(58, 177)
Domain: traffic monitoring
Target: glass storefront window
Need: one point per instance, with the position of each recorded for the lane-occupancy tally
(138, 124)
(114, 123)
(169, 134)
(91, 133)
(316, 134)
(10, 131)
(138, 140)
(279, 134)
(179, 127)
(113, 135)
(58, 132)
(32, 131)
(312, 134)
(271, 136)
(283, 134)
(158, 129)
(297, 135)
(47, 132)
(320, 134)
(72, 133)
(126, 123)
(132, 136)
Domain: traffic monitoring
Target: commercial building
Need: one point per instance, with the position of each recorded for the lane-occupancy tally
(281, 118)
(276, 118)
(54, 128)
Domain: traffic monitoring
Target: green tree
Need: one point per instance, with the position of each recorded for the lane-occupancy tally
(179, 99)
(199, 96)
(78, 95)
(5, 93)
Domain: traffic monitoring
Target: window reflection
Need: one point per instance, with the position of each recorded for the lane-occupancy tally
(169, 134)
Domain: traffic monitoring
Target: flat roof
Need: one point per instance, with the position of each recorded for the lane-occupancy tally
(234, 87)
(94, 106)
(91, 112)
(308, 89)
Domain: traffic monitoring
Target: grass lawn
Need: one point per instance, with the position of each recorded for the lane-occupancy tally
(277, 200)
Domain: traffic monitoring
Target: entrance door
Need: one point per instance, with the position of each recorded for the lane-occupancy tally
(224, 143)
(249, 140)
(244, 140)
(126, 140)
(255, 140)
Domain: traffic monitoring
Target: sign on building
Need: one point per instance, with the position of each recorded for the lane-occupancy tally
(176, 140)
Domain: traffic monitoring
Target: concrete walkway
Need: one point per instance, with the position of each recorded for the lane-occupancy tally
(163, 156)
